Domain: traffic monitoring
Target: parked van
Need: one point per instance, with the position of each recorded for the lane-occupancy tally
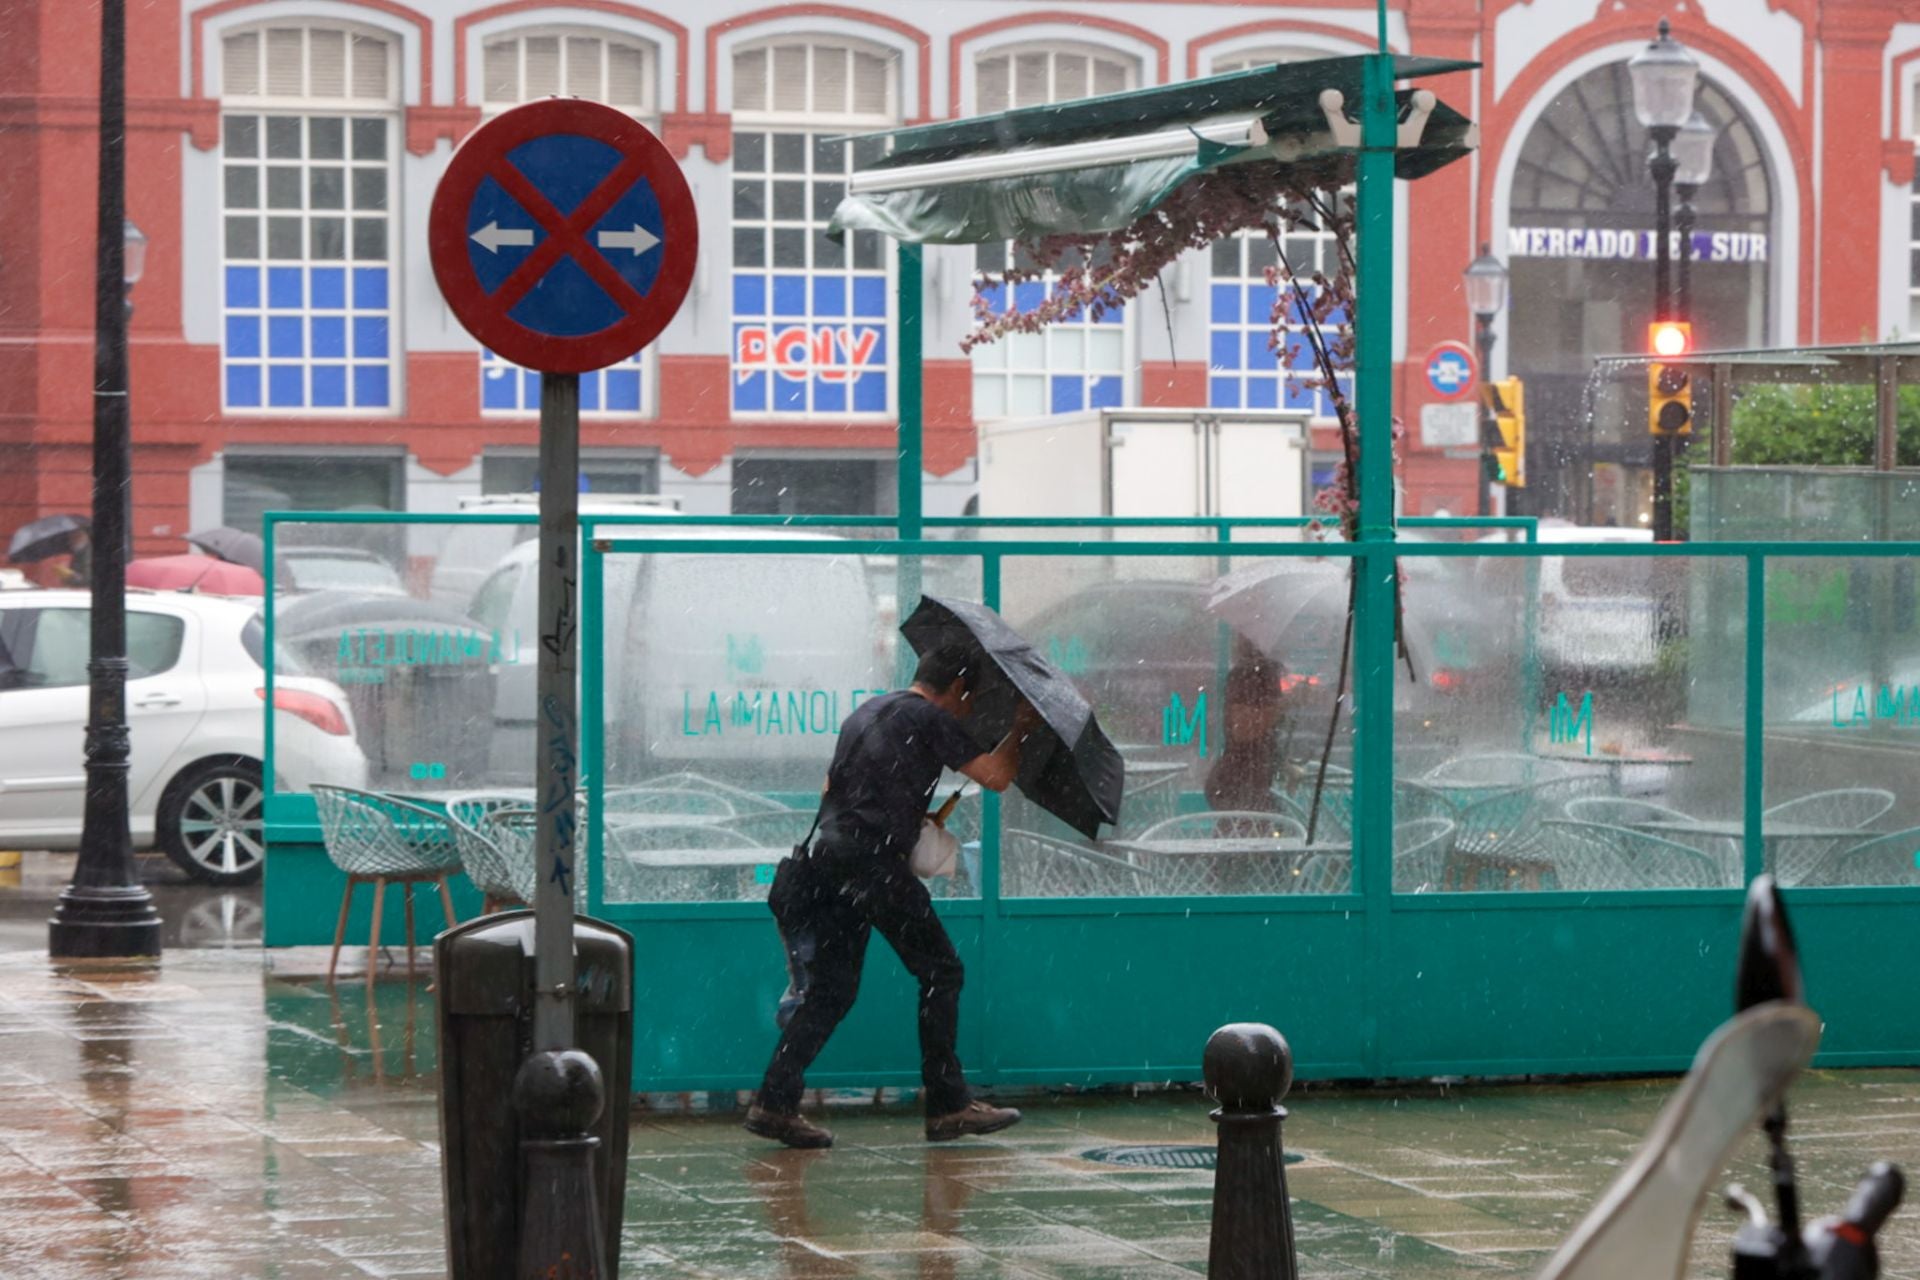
(470, 552)
(743, 666)
(1601, 616)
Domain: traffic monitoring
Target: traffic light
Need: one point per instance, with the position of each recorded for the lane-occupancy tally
(1506, 402)
(1669, 400)
(1669, 338)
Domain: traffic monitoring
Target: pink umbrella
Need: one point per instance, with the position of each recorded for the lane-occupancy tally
(195, 573)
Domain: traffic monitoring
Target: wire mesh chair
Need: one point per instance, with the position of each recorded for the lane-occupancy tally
(1143, 804)
(1230, 869)
(1499, 833)
(1801, 859)
(1888, 859)
(1324, 873)
(515, 830)
(1592, 856)
(379, 839)
(1033, 865)
(481, 856)
(1236, 824)
(1420, 851)
(1336, 802)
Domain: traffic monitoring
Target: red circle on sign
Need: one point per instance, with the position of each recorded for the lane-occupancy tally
(485, 315)
(1465, 389)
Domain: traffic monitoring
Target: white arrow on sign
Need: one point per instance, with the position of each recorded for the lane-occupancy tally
(493, 235)
(639, 239)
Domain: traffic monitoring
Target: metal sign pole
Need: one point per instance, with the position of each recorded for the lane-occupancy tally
(556, 761)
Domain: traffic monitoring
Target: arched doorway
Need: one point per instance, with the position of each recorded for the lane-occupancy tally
(1580, 244)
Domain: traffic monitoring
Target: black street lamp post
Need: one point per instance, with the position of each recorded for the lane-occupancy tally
(1486, 281)
(106, 911)
(1664, 75)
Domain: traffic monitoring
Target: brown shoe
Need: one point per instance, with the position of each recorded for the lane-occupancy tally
(971, 1120)
(795, 1130)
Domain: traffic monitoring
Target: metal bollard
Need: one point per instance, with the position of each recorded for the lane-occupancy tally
(558, 1095)
(1248, 1069)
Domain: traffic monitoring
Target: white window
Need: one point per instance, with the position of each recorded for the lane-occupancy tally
(567, 64)
(576, 63)
(1245, 372)
(1074, 364)
(308, 129)
(1913, 254)
(811, 316)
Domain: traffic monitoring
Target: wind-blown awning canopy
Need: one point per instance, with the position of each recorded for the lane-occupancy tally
(1098, 164)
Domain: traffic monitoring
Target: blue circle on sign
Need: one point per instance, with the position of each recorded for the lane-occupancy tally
(554, 176)
(1449, 372)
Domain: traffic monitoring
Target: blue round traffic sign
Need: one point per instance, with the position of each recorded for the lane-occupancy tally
(563, 235)
(1452, 371)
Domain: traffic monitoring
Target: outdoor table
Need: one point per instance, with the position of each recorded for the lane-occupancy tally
(1649, 763)
(1734, 831)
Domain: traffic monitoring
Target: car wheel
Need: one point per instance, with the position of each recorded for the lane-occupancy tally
(213, 823)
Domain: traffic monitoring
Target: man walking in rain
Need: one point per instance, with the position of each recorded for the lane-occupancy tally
(885, 768)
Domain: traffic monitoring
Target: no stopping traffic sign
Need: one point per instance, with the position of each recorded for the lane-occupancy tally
(563, 235)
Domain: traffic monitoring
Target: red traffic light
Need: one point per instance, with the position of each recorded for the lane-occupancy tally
(1669, 338)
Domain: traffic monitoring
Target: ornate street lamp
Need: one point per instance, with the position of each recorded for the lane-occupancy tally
(106, 911)
(1486, 282)
(1664, 77)
(1693, 165)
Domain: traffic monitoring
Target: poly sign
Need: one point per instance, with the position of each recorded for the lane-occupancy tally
(563, 236)
(1452, 371)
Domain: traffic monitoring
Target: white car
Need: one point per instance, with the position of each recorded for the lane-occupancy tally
(302, 569)
(1599, 615)
(195, 690)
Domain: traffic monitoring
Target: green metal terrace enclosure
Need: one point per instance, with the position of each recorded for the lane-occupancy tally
(1526, 853)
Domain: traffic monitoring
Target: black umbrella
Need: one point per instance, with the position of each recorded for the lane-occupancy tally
(235, 546)
(47, 536)
(1068, 766)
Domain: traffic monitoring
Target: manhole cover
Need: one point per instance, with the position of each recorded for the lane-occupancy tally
(1162, 1156)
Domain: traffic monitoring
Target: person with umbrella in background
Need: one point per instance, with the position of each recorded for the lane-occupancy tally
(885, 768)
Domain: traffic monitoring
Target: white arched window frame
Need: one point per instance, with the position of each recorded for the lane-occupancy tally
(1070, 365)
(309, 243)
(1243, 371)
(1910, 96)
(812, 318)
(525, 64)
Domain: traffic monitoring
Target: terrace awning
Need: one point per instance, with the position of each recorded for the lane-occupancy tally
(1097, 164)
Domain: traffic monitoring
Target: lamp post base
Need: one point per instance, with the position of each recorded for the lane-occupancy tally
(97, 923)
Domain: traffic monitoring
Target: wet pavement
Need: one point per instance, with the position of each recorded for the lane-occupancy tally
(229, 1115)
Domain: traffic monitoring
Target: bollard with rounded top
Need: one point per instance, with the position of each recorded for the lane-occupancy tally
(558, 1094)
(1248, 1069)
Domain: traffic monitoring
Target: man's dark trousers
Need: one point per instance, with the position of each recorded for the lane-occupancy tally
(858, 892)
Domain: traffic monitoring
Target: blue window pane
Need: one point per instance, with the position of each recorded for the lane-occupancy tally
(750, 344)
(1113, 314)
(529, 390)
(877, 353)
(243, 386)
(1300, 356)
(1263, 393)
(1226, 304)
(1226, 349)
(497, 386)
(622, 393)
(243, 286)
(749, 295)
(283, 286)
(870, 297)
(1300, 307)
(790, 295)
(1028, 295)
(286, 386)
(370, 386)
(370, 337)
(329, 285)
(370, 288)
(330, 386)
(830, 296)
(1336, 317)
(870, 393)
(1259, 355)
(329, 337)
(789, 395)
(1067, 393)
(1260, 302)
(1223, 393)
(750, 392)
(243, 337)
(830, 397)
(1298, 397)
(1104, 393)
(590, 392)
(283, 337)
(995, 297)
